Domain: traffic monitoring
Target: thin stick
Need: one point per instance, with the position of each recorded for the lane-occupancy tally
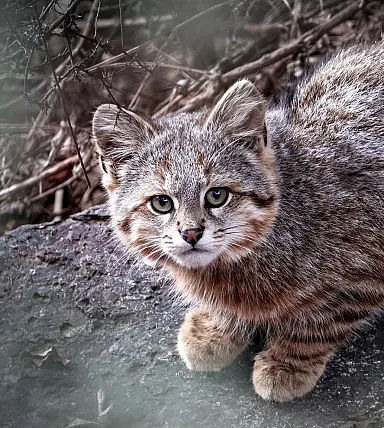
(46, 9)
(159, 64)
(191, 88)
(60, 166)
(206, 89)
(62, 18)
(115, 58)
(43, 116)
(58, 204)
(66, 113)
(136, 22)
(181, 68)
(294, 47)
(52, 190)
(121, 24)
(165, 44)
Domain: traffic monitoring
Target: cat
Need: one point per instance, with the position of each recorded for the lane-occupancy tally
(262, 215)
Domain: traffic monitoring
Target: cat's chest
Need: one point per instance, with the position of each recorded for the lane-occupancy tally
(243, 294)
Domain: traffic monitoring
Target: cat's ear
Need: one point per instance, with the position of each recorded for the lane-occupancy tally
(119, 133)
(240, 111)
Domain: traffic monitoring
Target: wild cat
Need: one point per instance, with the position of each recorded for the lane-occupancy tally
(265, 216)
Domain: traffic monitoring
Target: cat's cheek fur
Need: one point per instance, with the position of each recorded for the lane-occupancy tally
(138, 234)
(110, 184)
(258, 222)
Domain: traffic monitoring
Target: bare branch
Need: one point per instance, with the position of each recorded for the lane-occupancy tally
(16, 188)
(67, 116)
(43, 116)
(207, 90)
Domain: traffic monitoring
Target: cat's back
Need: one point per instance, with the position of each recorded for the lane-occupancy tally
(329, 145)
(334, 122)
(341, 104)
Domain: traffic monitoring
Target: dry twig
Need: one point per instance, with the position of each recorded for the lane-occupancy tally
(19, 187)
(67, 116)
(44, 114)
(264, 51)
(207, 88)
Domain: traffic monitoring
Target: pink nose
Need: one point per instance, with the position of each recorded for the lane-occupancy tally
(192, 235)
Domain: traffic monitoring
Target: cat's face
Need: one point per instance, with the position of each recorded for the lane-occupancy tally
(191, 192)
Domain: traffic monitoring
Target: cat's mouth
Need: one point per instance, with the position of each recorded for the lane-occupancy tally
(195, 253)
(194, 257)
(195, 250)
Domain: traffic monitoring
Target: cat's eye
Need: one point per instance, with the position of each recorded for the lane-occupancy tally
(162, 204)
(216, 197)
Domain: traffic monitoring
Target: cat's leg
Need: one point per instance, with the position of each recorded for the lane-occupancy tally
(293, 361)
(207, 344)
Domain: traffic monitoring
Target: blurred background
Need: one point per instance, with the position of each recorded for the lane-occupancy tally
(60, 59)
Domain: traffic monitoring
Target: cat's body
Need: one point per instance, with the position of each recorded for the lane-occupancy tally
(276, 222)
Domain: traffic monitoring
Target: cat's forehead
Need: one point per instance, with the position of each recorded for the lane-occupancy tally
(184, 139)
(184, 169)
(184, 157)
(183, 153)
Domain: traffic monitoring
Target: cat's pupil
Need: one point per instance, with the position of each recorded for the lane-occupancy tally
(216, 194)
(163, 201)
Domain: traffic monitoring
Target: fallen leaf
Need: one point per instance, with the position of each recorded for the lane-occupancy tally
(103, 413)
(100, 400)
(80, 423)
(50, 355)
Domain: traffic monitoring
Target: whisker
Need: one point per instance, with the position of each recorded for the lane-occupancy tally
(240, 235)
(236, 244)
(142, 247)
(232, 227)
(162, 254)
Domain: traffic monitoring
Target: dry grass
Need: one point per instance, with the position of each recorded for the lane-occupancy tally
(60, 59)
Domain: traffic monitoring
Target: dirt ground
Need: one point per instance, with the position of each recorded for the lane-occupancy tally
(69, 285)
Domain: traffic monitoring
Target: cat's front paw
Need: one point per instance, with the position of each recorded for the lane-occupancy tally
(204, 346)
(283, 381)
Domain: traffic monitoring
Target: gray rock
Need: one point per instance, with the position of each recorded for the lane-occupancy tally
(71, 285)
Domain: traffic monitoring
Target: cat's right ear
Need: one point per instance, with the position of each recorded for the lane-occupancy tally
(240, 112)
(119, 133)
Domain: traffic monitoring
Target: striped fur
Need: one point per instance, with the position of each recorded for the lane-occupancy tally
(299, 245)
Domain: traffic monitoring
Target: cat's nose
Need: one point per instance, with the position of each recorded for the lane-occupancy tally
(192, 235)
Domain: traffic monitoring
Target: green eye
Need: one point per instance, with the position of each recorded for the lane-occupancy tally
(162, 204)
(216, 197)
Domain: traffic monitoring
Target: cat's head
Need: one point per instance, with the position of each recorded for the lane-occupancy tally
(190, 189)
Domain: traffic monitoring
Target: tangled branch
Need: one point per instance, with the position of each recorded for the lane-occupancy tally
(59, 61)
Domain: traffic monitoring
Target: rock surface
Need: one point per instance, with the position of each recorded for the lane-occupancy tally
(71, 285)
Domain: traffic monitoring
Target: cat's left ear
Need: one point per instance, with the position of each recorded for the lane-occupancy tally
(240, 111)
